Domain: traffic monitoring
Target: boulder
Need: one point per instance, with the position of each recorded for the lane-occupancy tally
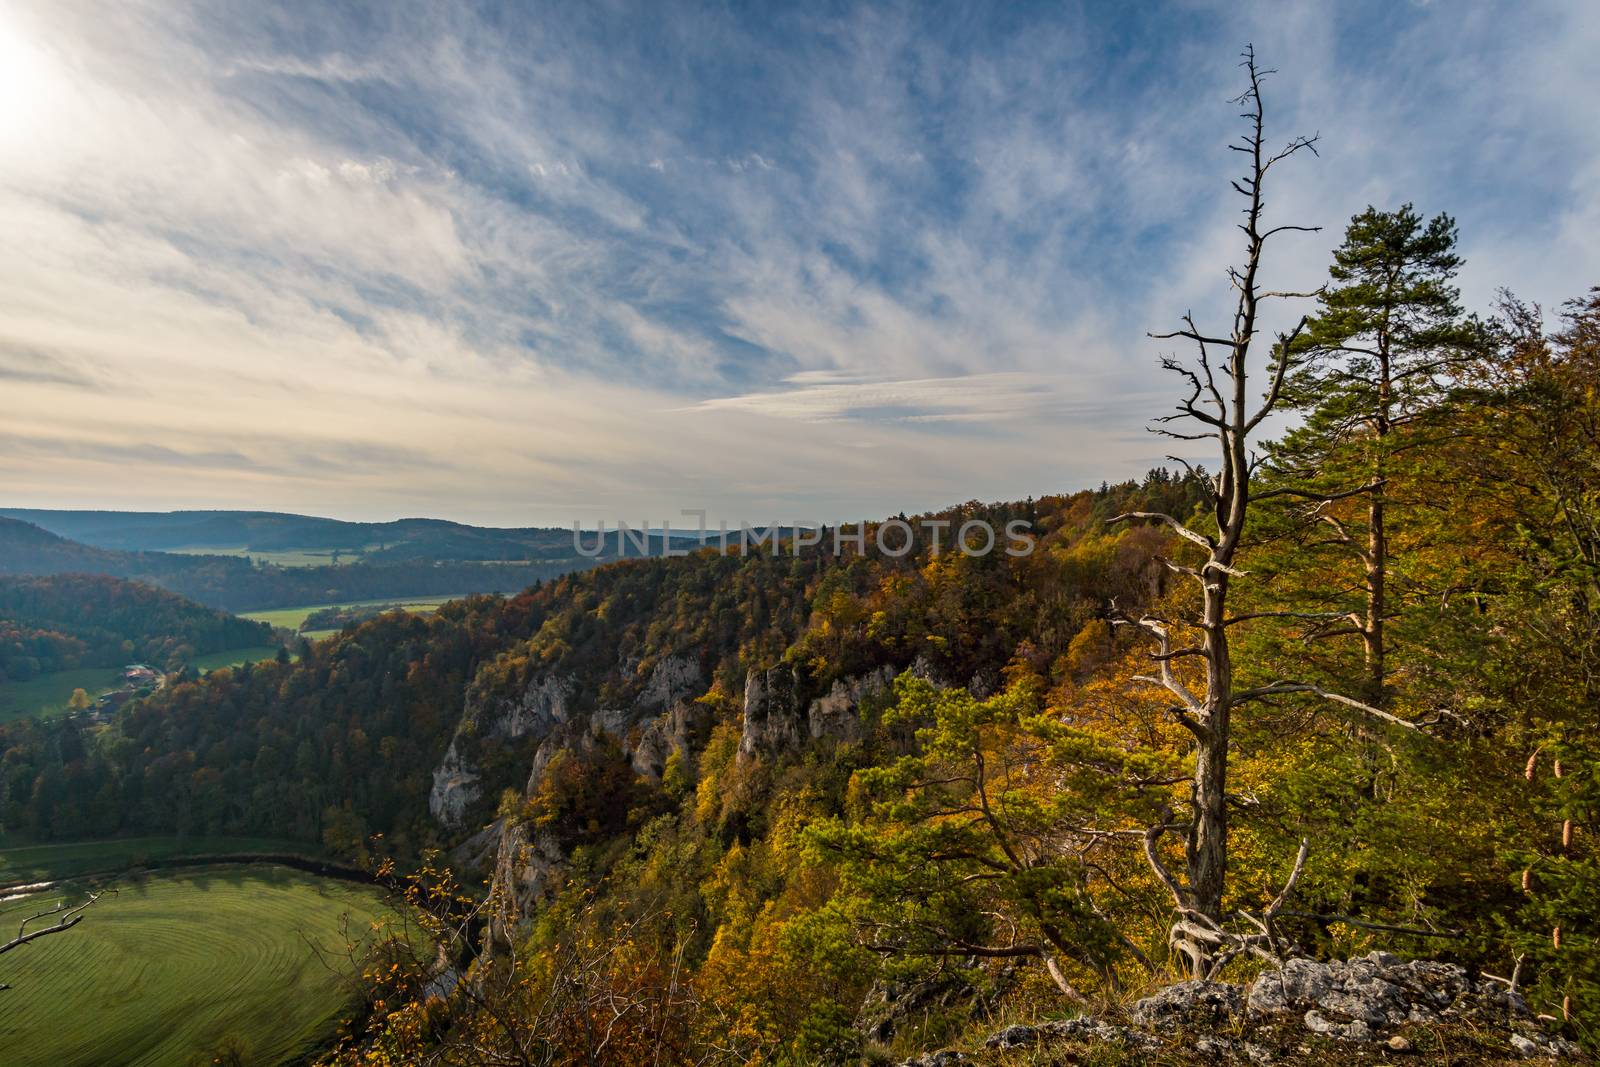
(1193, 1004)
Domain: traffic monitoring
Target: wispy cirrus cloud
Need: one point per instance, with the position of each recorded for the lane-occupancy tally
(825, 396)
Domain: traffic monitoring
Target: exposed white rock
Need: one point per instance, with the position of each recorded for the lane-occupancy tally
(525, 867)
(673, 678)
(455, 788)
(836, 714)
(542, 705)
(772, 720)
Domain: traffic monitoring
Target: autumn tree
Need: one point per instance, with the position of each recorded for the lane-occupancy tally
(1534, 453)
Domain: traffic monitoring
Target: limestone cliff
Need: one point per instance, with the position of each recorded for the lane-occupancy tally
(543, 704)
(777, 718)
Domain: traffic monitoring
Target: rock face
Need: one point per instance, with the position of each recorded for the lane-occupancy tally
(837, 713)
(455, 788)
(546, 710)
(680, 730)
(661, 719)
(541, 705)
(525, 864)
(771, 712)
(775, 719)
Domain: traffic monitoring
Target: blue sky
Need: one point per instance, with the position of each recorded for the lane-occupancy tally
(520, 263)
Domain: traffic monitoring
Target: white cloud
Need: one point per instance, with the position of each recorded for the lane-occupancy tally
(821, 396)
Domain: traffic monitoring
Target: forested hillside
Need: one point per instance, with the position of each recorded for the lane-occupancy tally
(80, 620)
(348, 736)
(980, 825)
(267, 532)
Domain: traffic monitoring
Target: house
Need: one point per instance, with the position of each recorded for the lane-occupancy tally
(140, 676)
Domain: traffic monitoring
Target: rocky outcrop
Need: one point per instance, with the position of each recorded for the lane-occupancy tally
(1365, 999)
(526, 864)
(836, 714)
(662, 718)
(1374, 1003)
(772, 717)
(1084, 1028)
(890, 1004)
(1190, 1004)
(547, 710)
(776, 719)
(680, 730)
(543, 704)
(672, 679)
(455, 788)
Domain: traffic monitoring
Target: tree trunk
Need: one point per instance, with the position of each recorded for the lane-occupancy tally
(1208, 830)
(1220, 403)
(1207, 852)
(1377, 537)
(1377, 574)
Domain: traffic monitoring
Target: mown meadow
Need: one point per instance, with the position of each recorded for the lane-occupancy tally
(221, 964)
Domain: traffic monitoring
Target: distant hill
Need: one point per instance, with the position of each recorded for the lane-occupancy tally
(265, 532)
(434, 558)
(64, 622)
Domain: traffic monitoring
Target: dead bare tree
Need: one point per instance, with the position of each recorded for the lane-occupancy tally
(66, 915)
(1219, 408)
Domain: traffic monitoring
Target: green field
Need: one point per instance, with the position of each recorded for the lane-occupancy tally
(292, 557)
(37, 863)
(49, 693)
(171, 967)
(216, 660)
(291, 618)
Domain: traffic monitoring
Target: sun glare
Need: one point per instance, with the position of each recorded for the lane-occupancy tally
(25, 85)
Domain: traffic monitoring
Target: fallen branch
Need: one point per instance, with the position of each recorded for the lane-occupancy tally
(67, 916)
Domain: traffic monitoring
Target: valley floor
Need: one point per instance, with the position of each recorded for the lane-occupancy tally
(178, 965)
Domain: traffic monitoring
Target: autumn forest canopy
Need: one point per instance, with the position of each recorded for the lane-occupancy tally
(1323, 683)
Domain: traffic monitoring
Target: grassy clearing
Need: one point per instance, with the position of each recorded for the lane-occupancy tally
(218, 660)
(173, 967)
(291, 618)
(38, 863)
(49, 693)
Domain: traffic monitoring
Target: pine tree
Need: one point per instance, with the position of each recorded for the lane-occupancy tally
(1373, 369)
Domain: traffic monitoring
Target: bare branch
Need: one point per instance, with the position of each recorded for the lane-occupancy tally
(1294, 876)
(1183, 531)
(1325, 498)
(66, 915)
(1287, 688)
